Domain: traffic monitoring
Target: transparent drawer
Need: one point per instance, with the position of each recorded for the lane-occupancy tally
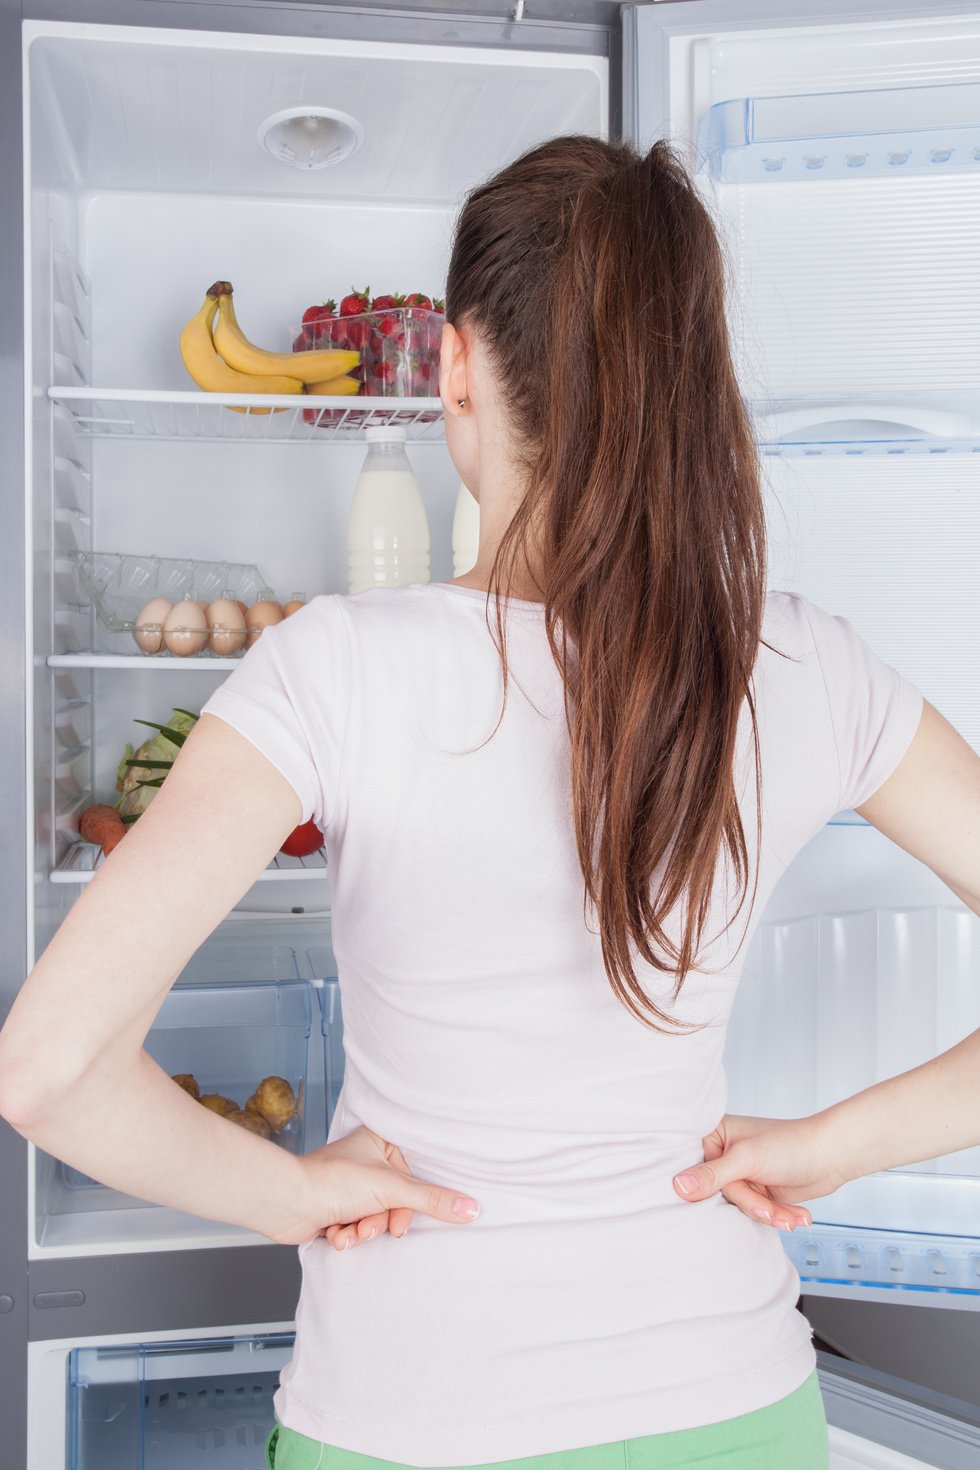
(323, 967)
(237, 1042)
(120, 584)
(158, 1406)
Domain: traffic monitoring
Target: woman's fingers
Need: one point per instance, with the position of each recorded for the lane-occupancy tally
(400, 1218)
(761, 1207)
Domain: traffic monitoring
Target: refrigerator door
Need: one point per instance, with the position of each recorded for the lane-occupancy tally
(839, 153)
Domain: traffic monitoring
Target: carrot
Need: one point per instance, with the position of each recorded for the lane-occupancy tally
(104, 825)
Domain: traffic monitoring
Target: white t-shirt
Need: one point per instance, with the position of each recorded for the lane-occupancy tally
(588, 1303)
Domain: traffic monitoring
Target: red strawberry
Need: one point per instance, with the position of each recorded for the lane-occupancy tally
(303, 840)
(301, 343)
(417, 299)
(387, 303)
(357, 303)
(358, 335)
(314, 313)
(386, 372)
(439, 305)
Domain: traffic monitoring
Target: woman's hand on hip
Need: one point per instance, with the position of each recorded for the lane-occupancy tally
(360, 1186)
(763, 1166)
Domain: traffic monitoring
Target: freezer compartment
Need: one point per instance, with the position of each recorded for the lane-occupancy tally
(830, 1004)
(833, 135)
(155, 1406)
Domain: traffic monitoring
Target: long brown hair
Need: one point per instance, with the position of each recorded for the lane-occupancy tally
(594, 277)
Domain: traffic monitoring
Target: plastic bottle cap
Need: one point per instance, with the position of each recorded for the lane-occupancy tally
(386, 434)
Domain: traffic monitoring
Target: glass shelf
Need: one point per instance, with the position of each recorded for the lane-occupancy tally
(882, 133)
(138, 661)
(934, 422)
(83, 860)
(124, 413)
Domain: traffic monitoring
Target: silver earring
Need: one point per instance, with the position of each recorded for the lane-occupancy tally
(462, 403)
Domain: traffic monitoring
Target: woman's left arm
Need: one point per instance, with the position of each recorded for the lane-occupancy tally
(74, 1077)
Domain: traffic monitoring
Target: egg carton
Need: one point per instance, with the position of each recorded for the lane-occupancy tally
(120, 585)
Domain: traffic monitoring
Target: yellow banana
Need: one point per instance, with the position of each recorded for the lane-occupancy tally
(335, 387)
(207, 369)
(241, 354)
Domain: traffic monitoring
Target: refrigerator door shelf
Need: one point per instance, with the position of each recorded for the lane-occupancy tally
(881, 132)
(83, 860)
(835, 1260)
(124, 413)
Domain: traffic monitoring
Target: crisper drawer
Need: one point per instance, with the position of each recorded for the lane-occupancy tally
(323, 968)
(243, 1050)
(203, 1402)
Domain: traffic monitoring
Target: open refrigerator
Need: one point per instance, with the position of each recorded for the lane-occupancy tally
(840, 154)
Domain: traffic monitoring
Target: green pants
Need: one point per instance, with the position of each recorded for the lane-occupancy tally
(790, 1433)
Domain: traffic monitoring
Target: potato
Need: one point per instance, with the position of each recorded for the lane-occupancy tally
(251, 1122)
(189, 1084)
(218, 1104)
(273, 1100)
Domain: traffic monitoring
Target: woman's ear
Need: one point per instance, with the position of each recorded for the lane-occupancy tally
(452, 371)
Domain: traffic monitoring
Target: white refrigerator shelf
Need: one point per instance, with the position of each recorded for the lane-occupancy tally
(138, 661)
(884, 132)
(84, 859)
(144, 413)
(932, 422)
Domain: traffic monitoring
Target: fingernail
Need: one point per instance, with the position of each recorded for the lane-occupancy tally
(783, 1225)
(761, 1214)
(687, 1182)
(346, 1242)
(372, 1232)
(467, 1209)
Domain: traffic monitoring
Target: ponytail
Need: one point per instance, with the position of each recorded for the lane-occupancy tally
(594, 277)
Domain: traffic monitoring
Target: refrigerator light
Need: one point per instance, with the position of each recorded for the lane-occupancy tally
(310, 137)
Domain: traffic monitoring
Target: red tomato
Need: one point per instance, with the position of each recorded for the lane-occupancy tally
(302, 841)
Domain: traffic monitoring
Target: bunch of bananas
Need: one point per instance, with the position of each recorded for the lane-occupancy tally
(220, 358)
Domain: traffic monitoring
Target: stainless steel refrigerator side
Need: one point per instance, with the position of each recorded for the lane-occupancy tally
(13, 729)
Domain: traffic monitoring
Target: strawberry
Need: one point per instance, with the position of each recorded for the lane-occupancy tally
(357, 303)
(314, 313)
(387, 303)
(301, 343)
(418, 300)
(439, 305)
(358, 335)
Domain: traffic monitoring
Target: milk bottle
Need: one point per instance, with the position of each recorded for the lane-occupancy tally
(388, 533)
(466, 532)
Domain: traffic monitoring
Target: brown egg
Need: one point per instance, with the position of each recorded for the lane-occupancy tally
(226, 627)
(293, 606)
(242, 607)
(148, 627)
(260, 616)
(185, 630)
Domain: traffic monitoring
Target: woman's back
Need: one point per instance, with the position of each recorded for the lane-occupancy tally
(588, 1302)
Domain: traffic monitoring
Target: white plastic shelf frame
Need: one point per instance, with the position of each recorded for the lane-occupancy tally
(878, 424)
(208, 418)
(82, 861)
(881, 132)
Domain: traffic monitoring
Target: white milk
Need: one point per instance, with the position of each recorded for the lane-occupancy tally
(466, 532)
(388, 532)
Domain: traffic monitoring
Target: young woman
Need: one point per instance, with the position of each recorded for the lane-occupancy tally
(553, 815)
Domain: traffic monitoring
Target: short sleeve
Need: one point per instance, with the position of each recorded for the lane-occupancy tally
(290, 696)
(874, 710)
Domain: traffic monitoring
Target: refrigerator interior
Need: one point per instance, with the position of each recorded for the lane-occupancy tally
(841, 162)
(146, 182)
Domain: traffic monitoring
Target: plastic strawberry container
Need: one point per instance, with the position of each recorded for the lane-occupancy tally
(399, 352)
